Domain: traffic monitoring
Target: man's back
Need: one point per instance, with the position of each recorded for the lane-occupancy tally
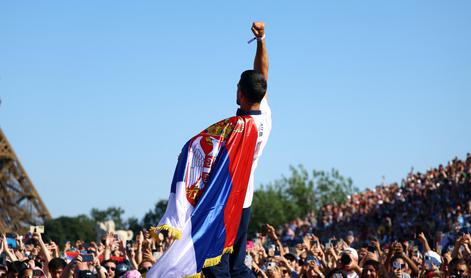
(263, 122)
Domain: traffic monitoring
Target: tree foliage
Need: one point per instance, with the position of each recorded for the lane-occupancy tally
(111, 213)
(152, 217)
(297, 195)
(66, 228)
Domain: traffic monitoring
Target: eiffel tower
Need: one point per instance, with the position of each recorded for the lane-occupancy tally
(20, 203)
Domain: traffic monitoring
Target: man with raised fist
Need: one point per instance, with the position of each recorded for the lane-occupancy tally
(252, 100)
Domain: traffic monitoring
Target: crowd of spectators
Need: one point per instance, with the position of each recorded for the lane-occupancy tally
(417, 229)
(30, 256)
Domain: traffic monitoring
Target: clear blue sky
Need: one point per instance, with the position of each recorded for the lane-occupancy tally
(99, 96)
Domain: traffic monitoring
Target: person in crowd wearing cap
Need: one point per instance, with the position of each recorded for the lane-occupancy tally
(121, 269)
(432, 262)
(349, 263)
(312, 268)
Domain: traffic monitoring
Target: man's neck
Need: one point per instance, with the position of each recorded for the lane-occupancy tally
(248, 107)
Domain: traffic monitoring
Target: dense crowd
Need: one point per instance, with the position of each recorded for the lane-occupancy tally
(417, 229)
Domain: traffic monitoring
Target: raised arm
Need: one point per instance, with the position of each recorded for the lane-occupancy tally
(261, 58)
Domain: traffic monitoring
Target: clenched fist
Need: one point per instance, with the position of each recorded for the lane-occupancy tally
(258, 29)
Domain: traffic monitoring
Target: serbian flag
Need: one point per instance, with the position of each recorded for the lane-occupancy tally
(206, 197)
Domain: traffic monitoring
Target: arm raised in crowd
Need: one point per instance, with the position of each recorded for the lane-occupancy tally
(412, 265)
(272, 234)
(109, 244)
(139, 241)
(7, 250)
(424, 242)
(462, 241)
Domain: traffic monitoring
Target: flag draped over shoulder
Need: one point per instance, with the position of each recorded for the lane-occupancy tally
(206, 197)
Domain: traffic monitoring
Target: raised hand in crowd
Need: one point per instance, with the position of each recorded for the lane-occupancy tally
(423, 240)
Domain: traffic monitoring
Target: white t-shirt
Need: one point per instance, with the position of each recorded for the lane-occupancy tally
(263, 122)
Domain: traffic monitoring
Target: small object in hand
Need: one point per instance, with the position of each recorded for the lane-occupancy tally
(86, 258)
(86, 274)
(256, 39)
(36, 229)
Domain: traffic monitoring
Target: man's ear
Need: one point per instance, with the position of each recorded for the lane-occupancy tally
(240, 97)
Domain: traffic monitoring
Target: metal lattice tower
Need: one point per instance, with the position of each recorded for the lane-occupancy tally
(20, 203)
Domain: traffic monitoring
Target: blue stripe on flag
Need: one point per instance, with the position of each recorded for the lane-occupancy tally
(207, 219)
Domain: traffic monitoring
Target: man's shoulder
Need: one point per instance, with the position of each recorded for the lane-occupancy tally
(264, 106)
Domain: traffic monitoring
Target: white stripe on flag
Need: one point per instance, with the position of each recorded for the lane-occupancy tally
(179, 259)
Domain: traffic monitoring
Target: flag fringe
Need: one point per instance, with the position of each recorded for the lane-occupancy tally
(197, 275)
(216, 260)
(173, 232)
(229, 250)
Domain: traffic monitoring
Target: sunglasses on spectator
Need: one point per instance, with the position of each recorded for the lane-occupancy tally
(110, 268)
(144, 269)
(397, 266)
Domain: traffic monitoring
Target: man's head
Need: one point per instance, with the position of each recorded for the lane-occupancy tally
(3, 271)
(398, 266)
(251, 88)
(458, 268)
(348, 258)
(371, 269)
(432, 260)
(14, 268)
(144, 266)
(110, 267)
(292, 260)
(56, 266)
(31, 273)
(349, 238)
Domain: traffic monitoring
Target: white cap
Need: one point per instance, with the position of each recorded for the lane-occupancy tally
(351, 251)
(433, 257)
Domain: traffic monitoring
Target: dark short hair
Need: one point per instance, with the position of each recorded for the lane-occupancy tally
(377, 266)
(374, 263)
(16, 266)
(456, 262)
(253, 85)
(109, 261)
(56, 263)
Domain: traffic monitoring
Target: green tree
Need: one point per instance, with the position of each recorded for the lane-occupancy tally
(111, 213)
(297, 195)
(152, 217)
(332, 187)
(299, 190)
(268, 206)
(66, 228)
(134, 225)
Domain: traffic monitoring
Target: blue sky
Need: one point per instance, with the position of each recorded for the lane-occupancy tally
(99, 96)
